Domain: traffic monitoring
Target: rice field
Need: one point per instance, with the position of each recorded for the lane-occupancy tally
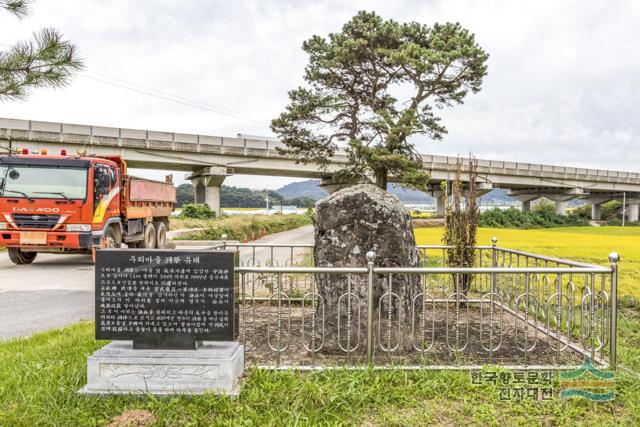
(587, 244)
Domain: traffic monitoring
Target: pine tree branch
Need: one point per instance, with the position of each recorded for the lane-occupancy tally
(19, 8)
(48, 60)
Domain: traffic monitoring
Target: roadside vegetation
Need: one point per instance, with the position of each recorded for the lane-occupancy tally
(197, 211)
(239, 227)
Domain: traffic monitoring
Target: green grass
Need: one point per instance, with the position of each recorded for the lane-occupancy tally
(41, 375)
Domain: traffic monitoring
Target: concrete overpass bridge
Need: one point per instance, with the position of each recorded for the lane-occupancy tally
(210, 159)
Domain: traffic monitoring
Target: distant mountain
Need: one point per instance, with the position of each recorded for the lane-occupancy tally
(497, 196)
(309, 188)
(239, 197)
(409, 195)
(312, 190)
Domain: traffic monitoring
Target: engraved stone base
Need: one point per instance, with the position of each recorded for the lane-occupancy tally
(215, 367)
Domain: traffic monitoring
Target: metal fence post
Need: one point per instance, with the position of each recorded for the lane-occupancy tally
(614, 258)
(224, 241)
(371, 256)
(494, 263)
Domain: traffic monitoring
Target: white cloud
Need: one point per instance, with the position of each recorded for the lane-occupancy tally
(563, 83)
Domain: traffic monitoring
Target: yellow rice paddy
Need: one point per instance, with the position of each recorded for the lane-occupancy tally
(587, 244)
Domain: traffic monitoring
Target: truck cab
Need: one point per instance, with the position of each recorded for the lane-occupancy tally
(75, 204)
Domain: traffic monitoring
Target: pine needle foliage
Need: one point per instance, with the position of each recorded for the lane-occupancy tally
(47, 60)
(18, 8)
(370, 88)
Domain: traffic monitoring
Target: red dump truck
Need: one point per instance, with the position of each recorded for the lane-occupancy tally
(75, 204)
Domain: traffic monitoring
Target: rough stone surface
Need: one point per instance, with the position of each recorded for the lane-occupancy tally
(349, 223)
(117, 368)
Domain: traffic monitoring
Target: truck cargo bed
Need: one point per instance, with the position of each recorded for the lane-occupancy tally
(146, 198)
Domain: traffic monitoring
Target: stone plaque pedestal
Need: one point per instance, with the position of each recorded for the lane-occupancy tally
(215, 367)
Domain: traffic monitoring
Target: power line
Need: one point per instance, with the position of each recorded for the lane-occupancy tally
(172, 98)
(145, 90)
(172, 95)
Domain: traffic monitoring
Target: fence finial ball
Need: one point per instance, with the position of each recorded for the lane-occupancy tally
(494, 240)
(614, 257)
(224, 237)
(371, 256)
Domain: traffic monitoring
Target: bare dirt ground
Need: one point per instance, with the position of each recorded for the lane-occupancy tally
(261, 338)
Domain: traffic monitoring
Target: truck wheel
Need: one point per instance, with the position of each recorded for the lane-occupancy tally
(110, 239)
(161, 235)
(149, 241)
(18, 257)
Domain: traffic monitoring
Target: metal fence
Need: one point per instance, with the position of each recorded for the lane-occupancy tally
(513, 308)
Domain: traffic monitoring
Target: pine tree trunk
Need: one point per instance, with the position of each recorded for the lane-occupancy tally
(382, 178)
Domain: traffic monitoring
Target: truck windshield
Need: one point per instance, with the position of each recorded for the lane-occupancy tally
(44, 182)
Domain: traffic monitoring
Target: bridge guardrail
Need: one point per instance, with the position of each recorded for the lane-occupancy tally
(96, 132)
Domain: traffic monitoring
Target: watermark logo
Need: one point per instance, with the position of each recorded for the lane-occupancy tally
(517, 385)
(588, 382)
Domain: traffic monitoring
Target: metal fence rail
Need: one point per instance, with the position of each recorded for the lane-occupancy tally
(514, 309)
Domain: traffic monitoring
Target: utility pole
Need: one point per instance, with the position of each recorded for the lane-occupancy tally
(266, 194)
(624, 206)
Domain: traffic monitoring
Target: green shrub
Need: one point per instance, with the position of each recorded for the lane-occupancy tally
(542, 217)
(197, 210)
(583, 211)
(239, 227)
(611, 210)
(311, 213)
(544, 207)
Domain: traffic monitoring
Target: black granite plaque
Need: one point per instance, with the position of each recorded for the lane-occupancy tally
(167, 299)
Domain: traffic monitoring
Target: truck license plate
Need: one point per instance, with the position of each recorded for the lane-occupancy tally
(33, 238)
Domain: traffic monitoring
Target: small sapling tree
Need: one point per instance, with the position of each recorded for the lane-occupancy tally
(461, 223)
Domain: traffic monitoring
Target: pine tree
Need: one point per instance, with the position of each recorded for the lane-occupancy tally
(48, 60)
(370, 88)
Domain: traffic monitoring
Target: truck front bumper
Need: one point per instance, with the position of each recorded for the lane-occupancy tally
(56, 241)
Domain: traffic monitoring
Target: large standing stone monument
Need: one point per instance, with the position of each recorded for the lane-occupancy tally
(176, 311)
(349, 223)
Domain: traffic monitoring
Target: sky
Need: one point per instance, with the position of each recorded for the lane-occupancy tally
(563, 83)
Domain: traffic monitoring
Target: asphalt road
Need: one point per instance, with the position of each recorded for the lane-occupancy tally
(58, 290)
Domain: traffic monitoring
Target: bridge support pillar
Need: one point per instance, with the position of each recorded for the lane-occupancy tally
(633, 211)
(206, 184)
(596, 205)
(560, 197)
(440, 203)
(525, 199)
(561, 207)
